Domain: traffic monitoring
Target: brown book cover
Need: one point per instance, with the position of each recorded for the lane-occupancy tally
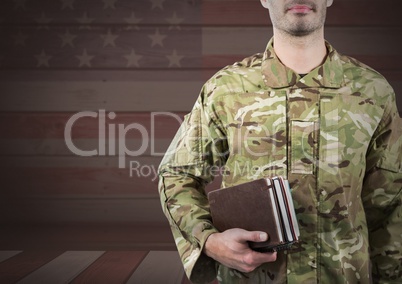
(254, 206)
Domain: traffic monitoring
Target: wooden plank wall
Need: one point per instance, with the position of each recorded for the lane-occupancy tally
(52, 197)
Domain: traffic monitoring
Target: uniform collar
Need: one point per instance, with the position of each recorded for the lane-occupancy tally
(276, 75)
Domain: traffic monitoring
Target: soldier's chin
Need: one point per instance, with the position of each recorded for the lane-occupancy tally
(300, 32)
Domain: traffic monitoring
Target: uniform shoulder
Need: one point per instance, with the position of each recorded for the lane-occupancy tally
(355, 69)
(240, 77)
(365, 79)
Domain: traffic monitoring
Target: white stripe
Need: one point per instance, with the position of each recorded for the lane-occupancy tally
(6, 254)
(159, 267)
(64, 268)
(85, 210)
(57, 147)
(111, 96)
(115, 96)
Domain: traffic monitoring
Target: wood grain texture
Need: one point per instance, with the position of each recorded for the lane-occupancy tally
(112, 267)
(24, 263)
(64, 268)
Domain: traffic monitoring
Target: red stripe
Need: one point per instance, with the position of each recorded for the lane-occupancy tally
(112, 267)
(24, 263)
(378, 62)
(85, 181)
(86, 236)
(27, 125)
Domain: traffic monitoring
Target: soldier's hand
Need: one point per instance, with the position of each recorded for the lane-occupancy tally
(231, 249)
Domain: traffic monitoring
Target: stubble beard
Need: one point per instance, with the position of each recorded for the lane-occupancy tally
(300, 26)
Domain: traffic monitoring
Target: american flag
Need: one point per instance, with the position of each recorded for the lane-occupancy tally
(131, 57)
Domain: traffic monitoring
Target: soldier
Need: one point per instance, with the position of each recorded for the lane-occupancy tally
(327, 123)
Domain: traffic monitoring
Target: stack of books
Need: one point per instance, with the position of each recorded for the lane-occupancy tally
(264, 205)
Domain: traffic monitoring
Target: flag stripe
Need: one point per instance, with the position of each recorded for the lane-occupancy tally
(195, 43)
(86, 210)
(100, 236)
(147, 146)
(86, 177)
(6, 254)
(31, 125)
(112, 267)
(80, 96)
(112, 96)
(168, 265)
(353, 40)
(80, 177)
(126, 266)
(24, 263)
(389, 65)
(63, 268)
(120, 75)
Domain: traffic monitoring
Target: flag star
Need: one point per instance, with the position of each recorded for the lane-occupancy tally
(109, 38)
(68, 4)
(174, 59)
(109, 4)
(133, 58)
(19, 4)
(157, 4)
(133, 20)
(43, 20)
(85, 21)
(85, 59)
(43, 59)
(157, 38)
(67, 38)
(20, 38)
(174, 21)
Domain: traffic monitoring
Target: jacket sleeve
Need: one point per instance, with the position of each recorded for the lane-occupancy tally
(382, 197)
(191, 162)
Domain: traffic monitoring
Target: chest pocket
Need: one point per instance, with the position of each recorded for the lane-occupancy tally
(303, 146)
(303, 114)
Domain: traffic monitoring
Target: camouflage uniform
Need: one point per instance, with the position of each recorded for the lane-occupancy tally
(334, 133)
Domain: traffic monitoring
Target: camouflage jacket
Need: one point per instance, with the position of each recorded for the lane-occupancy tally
(334, 133)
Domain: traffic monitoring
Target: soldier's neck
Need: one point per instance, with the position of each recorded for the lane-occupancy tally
(301, 54)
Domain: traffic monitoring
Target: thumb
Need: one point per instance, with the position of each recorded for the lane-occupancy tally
(256, 236)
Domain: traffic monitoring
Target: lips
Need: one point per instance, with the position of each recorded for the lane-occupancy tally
(300, 8)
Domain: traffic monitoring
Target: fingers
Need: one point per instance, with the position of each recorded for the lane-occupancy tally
(254, 236)
(254, 259)
(231, 249)
(260, 257)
